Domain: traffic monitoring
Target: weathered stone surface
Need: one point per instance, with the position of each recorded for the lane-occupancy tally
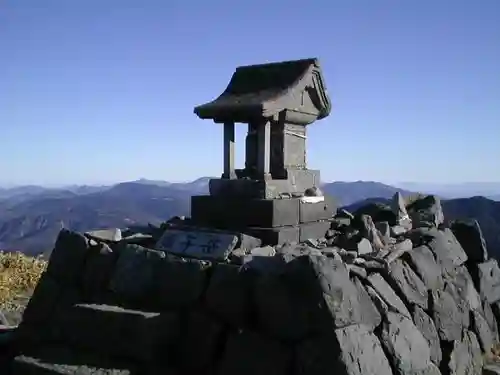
(408, 284)
(465, 357)
(482, 330)
(398, 206)
(428, 329)
(115, 331)
(359, 353)
(111, 234)
(313, 294)
(229, 294)
(488, 280)
(99, 267)
(426, 211)
(370, 232)
(491, 319)
(198, 244)
(448, 251)
(446, 316)
(179, 283)
(408, 349)
(68, 257)
(385, 291)
(65, 360)
(134, 274)
(470, 236)
(370, 316)
(247, 353)
(424, 264)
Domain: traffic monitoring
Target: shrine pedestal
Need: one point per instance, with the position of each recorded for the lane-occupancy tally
(274, 221)
(297, 181)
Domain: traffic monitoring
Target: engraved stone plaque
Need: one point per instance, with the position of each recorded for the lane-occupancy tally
(197, 244)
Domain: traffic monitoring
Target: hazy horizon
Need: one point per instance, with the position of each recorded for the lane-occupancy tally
(485, 185)
(96, 92)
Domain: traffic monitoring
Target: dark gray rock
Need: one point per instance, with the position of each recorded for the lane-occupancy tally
(492, 321)
(470, 236)
(448, 251)
(313, 294)
(463, 306)
(229, 292)
(426, 211)
(423, 262)
(370, 232)
(200, 340)
(398, 250)
(446, 316)
(115, 331)
(398, 206)
(377, 300)
(98, 269)
(488, 280)
(247, 353)
(407, 348)
(68, 257)
(134, 275)
(359, 353)
(482, 330)
(465, 357)
(388, 295)
(464, 288)
(179, 283)
(355, 270)
(408, 284)
(428, 329)
(370, 315)
(66, 360)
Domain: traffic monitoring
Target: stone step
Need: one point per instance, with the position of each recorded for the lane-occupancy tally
(116, 331)
(65, 360)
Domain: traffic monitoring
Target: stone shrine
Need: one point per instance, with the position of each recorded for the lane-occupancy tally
(267, 198)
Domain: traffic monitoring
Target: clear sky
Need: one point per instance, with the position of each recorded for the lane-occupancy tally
(98, 91)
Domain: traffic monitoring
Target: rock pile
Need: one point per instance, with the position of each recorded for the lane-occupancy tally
(389, 290)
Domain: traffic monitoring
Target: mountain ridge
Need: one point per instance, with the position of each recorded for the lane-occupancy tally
(31, 218)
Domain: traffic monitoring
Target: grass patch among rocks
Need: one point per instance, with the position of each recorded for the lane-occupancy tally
(19, 275)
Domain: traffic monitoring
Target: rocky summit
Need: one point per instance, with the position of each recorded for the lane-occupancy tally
(388, 290)
(267, 276)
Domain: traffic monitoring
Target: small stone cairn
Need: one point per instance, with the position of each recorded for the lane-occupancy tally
(391, 289)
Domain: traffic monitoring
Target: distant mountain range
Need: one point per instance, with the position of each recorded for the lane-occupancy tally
(31, 216)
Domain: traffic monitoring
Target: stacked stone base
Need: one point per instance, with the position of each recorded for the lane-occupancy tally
(274, 221)
(427, 304)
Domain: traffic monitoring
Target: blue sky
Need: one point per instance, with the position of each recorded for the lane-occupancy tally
(95, 91)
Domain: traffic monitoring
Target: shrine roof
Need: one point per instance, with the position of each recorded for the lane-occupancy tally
(257, 91)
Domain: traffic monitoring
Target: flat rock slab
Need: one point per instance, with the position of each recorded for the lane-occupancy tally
(407, 347)
(446, 316)
(423, 262)
(314, 294)
(389, 296)
(488, 277)
(111, 234)
(449, 253)
(115, 331)
(198, 244)
(428, 329)
(360, 353)
(62, 360)
(465, 357)
(409, 284)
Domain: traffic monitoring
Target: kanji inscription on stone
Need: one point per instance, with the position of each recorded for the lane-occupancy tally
(197, 244)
